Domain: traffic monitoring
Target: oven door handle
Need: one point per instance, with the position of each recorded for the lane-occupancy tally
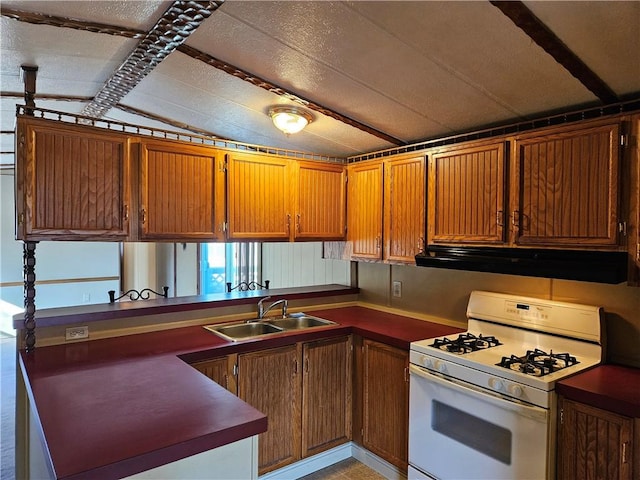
(502, 401)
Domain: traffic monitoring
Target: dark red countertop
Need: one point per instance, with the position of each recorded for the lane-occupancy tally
(610, 387)
(114, 407)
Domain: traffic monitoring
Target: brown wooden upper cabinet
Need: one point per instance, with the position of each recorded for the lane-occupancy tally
(386, 208)
(181, 192)
(259, 197)
(562, 190)
(364, 209)
(72, 182)
(466, 194)
(320, 201)
(565, 187)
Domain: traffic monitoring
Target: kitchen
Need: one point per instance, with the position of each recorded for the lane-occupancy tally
(447, 291)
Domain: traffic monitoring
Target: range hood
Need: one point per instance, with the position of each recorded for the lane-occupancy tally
(588, 266)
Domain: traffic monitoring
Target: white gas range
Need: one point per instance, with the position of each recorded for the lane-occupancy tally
(482, 403)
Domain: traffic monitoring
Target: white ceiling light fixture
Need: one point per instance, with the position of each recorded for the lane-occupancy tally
(290, 119)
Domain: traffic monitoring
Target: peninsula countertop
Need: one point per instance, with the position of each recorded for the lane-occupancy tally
(118, 406)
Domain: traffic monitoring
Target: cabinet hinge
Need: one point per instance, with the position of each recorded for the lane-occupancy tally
(624, 140)
(622, 228)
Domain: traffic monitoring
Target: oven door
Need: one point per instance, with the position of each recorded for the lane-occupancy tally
(457, 430)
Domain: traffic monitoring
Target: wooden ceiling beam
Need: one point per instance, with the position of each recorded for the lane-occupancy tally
(180, 20)
(51, 20)
(524, 18)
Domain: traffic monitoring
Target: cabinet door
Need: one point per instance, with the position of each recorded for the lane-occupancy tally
(258, 198)
(220, 370)
(593, 443)
(466, 195)
(404, 209)
(364, 209)
(326, 395)
(71, 182)
(566, 190)
(321, 201)
(182, 192)
(385, 395)
(269, 381)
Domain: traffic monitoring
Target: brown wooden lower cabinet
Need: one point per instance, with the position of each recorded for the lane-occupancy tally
(383, 401)
(326, 394)
(270, 381)
(221, 370)
(594, 443)
(306, 392)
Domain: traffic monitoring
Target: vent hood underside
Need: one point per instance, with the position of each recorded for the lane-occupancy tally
(588, 266)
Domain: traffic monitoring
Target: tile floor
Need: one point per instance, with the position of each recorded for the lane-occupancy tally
(349, 469)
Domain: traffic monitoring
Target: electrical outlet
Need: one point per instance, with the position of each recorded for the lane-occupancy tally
(76, 333)
(397, 289)
(86, 298)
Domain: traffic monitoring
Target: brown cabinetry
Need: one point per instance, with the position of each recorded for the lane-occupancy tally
(466, 195)
(72, 182)
(404, 208)
(181, 192)
(364, 209)
(221, 370)
(326, 394)
(259, 203)
(304, 389)
(270, 381)
(565, 188)
(386, 209)
(382, 409)
(320, 201)
(593, 443)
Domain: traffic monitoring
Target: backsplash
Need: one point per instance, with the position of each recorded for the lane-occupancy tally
(444, 294)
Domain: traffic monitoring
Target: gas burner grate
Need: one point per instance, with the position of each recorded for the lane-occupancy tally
(538, 362)
(466, 343)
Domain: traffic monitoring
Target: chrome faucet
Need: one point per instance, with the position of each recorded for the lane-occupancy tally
(262, 311)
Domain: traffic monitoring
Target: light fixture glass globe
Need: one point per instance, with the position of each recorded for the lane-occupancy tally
(289, 119)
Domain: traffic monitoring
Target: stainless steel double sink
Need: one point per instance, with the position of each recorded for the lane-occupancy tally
(267, 326)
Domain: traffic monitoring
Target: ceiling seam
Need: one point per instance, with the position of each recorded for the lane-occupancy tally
(50, 20)
(542, 35)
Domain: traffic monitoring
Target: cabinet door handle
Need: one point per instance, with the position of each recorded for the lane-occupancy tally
(377, 242)
(295, 366)
(288, 223)
(298, 223)
(306, 365)
(515, 218)
(623, 452)
(143, 214)
(500, 218)
(421, 245)
(125, 213)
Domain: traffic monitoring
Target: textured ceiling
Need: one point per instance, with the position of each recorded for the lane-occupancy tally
(377, 74)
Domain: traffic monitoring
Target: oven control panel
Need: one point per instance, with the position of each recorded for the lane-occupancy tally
(527, 311)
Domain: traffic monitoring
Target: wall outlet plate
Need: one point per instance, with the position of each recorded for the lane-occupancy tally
(76, 333)
(397, 289)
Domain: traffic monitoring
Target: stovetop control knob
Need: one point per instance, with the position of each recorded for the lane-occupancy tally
(426, 361)
(515, 390)
(496, 384)
(440, 366)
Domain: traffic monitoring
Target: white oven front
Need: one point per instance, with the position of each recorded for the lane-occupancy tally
(461, 431)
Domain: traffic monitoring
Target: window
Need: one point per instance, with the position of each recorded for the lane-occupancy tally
(229, 262)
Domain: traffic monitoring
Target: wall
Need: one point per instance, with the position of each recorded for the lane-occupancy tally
(67, 273)
(444, 294)
(301, 264)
